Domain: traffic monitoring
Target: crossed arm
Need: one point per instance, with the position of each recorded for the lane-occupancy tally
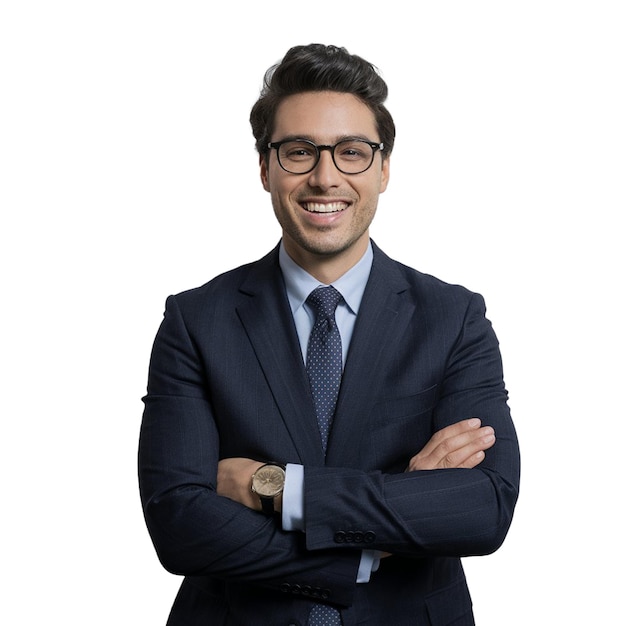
(202, 515)
(460, 445)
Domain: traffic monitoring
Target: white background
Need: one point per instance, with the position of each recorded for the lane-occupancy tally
(127, 172)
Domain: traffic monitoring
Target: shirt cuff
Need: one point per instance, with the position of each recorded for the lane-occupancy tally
(370, 560)
(293, 498)
(293, 518)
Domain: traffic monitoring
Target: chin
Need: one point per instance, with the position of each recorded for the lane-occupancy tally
(329, 249)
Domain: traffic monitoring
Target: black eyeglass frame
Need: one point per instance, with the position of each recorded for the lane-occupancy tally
(318, 150)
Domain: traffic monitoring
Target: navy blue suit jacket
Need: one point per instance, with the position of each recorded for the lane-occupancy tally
(227, 380)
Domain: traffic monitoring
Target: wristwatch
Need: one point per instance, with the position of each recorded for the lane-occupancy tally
(268, 482)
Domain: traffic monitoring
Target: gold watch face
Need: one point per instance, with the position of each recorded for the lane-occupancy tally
(268, 481)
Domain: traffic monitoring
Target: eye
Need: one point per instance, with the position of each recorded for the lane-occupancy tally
(353, 150)
(297, 151)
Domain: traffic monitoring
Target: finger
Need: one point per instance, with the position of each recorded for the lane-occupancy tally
(472, 459)
(449, 432)
(441, 444)
(454, 451)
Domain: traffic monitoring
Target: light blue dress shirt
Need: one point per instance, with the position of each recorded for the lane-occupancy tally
(299, 284)
(351, 286)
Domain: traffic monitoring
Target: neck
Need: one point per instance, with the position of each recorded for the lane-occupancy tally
(327, 268)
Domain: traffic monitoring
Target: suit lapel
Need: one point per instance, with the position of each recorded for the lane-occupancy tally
(265, 314)
(383, 315)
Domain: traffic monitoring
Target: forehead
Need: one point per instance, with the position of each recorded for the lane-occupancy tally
(324, 116)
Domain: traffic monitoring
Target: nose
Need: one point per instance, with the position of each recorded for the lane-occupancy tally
(325, 174)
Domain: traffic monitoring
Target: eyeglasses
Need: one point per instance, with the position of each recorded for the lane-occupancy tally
(301, 156)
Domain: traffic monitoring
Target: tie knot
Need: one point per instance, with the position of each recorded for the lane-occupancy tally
(324, 301)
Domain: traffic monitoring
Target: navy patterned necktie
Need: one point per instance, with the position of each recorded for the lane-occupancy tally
(324, 367)
(323, 357)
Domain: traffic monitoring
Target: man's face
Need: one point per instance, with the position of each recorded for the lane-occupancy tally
(324, 213)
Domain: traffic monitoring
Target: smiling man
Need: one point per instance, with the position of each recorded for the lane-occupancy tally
(325, 200)
(326, 431)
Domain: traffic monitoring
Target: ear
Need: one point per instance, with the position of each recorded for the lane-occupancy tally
(264, 172)
(384, 176)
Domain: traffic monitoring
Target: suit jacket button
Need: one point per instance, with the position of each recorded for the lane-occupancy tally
(358, 536)
(340, 536)
(325, 594)
(285, 587)
(369, 537)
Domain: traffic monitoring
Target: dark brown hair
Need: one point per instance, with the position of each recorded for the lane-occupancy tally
(317, 67)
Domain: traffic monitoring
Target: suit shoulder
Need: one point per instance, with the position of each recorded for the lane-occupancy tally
(429, 286)
(226, 286)
(398, 274)
(227, 281)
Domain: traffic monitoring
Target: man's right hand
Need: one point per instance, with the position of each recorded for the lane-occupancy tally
(460, 445)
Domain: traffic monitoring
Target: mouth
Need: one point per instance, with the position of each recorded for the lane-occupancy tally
(324, 207)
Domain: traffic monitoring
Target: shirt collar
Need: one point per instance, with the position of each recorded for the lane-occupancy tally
(299, 283)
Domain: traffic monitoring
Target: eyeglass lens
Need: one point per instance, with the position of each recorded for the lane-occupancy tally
(351, 157)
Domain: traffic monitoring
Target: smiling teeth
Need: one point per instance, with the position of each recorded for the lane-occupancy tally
(331, 207)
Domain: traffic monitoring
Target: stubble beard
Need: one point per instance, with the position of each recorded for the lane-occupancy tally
(321, 243)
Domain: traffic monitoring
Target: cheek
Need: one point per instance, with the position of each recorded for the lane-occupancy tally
(282, 189)
(370, 197)
(280, 198)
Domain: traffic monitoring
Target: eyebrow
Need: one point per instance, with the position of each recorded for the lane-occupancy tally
(337, 139)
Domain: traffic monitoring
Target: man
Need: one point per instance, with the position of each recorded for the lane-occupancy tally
(307, 467)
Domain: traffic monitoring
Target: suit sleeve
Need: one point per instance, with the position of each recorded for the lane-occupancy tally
(195, 531)
(453, 512)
